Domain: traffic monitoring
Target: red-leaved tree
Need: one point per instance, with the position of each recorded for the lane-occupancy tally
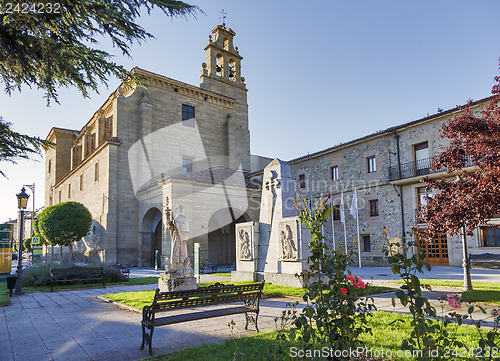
(469, 197)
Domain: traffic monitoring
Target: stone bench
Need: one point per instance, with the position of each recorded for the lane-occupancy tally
(76, 274)
(216, 294)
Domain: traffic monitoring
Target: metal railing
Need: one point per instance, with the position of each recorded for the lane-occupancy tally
(416, 169)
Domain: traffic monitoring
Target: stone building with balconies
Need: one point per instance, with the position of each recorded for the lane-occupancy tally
(386, 169)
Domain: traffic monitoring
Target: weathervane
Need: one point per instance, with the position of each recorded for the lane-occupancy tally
(223, 17)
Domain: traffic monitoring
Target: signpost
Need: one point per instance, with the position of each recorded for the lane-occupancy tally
(197, 261)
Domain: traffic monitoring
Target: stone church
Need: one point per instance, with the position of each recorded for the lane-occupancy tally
(147, 149)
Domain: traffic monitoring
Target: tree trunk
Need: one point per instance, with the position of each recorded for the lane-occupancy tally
(466, 263)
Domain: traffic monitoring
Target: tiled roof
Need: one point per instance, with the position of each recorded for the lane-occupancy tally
(218, 175)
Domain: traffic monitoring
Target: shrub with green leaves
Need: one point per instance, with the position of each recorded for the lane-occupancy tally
(27, 244)
(335, 315)
(64, 223)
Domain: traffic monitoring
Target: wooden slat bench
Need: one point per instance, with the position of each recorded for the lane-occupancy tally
(217, 294)
(488, 260)
(76, 274)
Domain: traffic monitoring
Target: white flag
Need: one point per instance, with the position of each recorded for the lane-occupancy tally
(354, 205)
(342, 215)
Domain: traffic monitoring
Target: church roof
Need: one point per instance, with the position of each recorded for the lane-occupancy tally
(218, 175)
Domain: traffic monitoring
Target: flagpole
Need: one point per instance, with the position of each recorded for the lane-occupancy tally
(359, 242)
(343, 217)
(320, 209)
(333, 226)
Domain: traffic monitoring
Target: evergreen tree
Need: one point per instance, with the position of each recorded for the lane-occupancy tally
(52, 46)
(14, 145)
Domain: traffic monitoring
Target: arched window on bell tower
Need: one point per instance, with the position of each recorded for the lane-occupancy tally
(232, 70)
(219, 65)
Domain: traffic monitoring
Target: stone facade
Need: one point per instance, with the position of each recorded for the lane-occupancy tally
(122, 164)
(388, 195)
(167, 143)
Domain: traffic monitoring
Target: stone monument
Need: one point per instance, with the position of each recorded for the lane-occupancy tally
(275, 248)
(179, 274)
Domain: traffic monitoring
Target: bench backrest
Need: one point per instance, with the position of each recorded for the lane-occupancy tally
(485, 256)
(76, 272)
(213, 295)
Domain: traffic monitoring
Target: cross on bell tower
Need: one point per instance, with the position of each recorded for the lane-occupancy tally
(223, 64)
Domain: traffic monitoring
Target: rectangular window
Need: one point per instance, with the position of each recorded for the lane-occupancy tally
(50, 165)
(60, 198)
(81, 182)
(374, 208)
(187, 165)
(96, 172)
(422, 160)
(188, 115)
(69, 191)
(491, 236)
(336, 212)
(367, 247)
(372, 164)
(334, 173)
(302, 181)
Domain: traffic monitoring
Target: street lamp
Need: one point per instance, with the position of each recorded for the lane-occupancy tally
(22, 203)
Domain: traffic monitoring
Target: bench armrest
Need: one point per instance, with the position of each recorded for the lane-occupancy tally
(148, 315)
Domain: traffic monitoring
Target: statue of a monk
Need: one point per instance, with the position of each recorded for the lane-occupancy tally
(179, 230)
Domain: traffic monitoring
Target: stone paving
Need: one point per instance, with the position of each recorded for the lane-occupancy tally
(75, 325)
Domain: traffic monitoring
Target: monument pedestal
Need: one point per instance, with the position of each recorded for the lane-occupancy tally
(176, 281)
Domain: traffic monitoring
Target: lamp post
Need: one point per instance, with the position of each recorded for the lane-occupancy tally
(22, 202)
(32, 188)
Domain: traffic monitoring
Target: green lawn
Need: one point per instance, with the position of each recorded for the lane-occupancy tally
(142, 298)
(482, 292)
(225, 274)
(386, 334)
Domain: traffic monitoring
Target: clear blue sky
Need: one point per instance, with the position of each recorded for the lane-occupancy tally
(318, 73)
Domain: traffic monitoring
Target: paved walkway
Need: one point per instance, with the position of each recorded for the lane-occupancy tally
(75, 325)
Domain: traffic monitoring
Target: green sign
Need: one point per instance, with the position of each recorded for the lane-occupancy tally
(37, 250)
(5, 234)
(35, 240)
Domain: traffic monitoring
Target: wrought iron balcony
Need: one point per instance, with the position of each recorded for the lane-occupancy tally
(416, 169)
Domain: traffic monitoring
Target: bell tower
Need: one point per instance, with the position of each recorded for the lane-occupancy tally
(222, 71)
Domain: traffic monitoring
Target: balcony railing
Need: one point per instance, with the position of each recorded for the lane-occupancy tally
(415, 169)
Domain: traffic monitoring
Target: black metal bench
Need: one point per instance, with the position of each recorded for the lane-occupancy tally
(216, 294)
(76, 274)
(207, 266)
(124, 270)
(487, 260)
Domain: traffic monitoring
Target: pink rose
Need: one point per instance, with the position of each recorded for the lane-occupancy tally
(350, 278)
(343, 291)
(359, 284)
(454, 300)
